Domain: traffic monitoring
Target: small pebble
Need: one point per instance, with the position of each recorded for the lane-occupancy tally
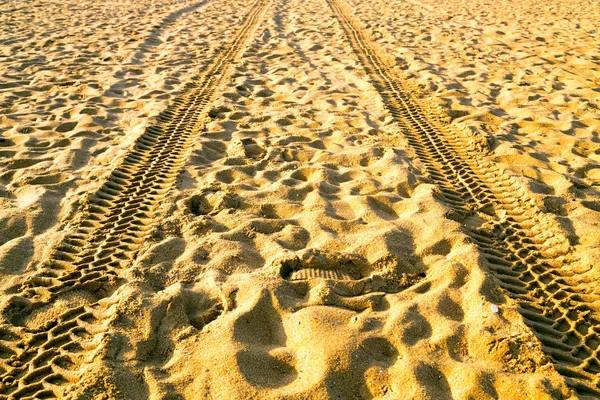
(494, 308)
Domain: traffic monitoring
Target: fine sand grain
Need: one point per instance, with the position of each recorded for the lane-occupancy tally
(299, 199)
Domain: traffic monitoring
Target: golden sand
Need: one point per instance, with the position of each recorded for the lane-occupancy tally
(299, 199)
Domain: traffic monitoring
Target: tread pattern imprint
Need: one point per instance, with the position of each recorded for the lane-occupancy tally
(42, 346)
(522, 248)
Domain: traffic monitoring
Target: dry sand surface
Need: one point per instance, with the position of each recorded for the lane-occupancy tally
(299, 199)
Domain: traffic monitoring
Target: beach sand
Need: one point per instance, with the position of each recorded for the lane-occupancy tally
(294, 199)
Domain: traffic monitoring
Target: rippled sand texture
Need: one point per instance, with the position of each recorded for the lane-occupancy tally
(232, 200)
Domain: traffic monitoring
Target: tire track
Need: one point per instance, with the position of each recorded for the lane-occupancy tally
(35, 361)
(522, 248)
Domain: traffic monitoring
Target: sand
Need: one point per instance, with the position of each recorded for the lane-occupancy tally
(299, 199)
(523, 73)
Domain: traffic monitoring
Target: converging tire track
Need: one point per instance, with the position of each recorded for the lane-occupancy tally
(116, 221)
(520, 247)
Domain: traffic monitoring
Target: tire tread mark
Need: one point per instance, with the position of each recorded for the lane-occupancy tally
(524, 252)
(36, 362)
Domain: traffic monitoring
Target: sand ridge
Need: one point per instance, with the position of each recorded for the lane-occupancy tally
(318, 244)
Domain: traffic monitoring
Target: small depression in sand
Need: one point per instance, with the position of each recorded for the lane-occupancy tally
(342, 280)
